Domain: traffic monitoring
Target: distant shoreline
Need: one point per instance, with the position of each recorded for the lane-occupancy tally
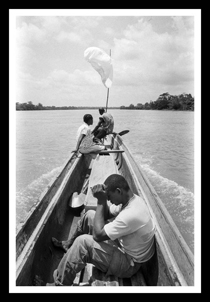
(93, 108)
(165, 101)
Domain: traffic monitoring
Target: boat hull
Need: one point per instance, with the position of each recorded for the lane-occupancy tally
(172, 264)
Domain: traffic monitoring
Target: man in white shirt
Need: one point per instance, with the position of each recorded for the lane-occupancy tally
(116, 238)
(84, 137)
(84, 129)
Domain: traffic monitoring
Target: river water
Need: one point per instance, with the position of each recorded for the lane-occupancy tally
(162, 142)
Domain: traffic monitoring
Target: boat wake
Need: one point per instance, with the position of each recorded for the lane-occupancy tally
(178, 200)
(27, 198)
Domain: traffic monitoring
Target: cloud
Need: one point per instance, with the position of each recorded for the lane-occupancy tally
(85, 22)
(103, 45)
(69, 36)
(144, 55)
(81, 36)
(41, 29)
(109, 31)
(26, 59)
(184, 25)
(78, 77)
(29, 34)
(61, 88)
(51, 24)
(146, 61)
(78, 29)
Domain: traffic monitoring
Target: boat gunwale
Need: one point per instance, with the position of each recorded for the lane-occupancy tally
(25, 253)
(174, 269)
(21, 235)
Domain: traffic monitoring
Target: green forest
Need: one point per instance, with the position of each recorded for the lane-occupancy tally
(164, 102)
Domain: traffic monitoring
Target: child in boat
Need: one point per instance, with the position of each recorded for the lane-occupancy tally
(85, 143)
(105, 125)
(116, 247)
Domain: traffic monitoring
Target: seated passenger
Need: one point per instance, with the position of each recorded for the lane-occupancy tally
(85, 143)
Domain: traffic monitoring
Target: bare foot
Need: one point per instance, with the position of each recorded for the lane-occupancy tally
(60, 244)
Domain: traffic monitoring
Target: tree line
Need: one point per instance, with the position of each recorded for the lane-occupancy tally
(164, 102)
(31, 106)
(167, 102)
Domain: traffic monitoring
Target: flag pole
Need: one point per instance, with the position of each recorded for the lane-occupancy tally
(107, 98)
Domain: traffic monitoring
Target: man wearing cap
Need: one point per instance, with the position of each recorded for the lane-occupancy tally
(104, 126)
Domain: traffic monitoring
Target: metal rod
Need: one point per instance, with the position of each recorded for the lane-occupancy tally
(107, 98)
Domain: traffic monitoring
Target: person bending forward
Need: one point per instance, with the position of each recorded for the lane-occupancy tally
(117, 238)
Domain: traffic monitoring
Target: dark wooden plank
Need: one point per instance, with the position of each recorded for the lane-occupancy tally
(138, 279)
(111, 151)
(103, 166)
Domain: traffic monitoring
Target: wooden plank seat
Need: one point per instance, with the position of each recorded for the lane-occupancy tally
(103, 152)
(102, 167)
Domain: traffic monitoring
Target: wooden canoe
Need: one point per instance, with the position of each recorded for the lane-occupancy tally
(37, 258)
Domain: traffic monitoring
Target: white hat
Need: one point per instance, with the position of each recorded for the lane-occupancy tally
(77, 200)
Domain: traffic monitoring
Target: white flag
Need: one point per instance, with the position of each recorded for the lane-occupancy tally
(102, 63)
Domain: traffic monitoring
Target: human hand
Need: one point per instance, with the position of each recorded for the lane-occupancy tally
(99, 192)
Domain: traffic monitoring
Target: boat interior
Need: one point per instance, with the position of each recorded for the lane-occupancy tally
(55, 216)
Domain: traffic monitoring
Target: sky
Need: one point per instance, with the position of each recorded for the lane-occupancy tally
(153, 52)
